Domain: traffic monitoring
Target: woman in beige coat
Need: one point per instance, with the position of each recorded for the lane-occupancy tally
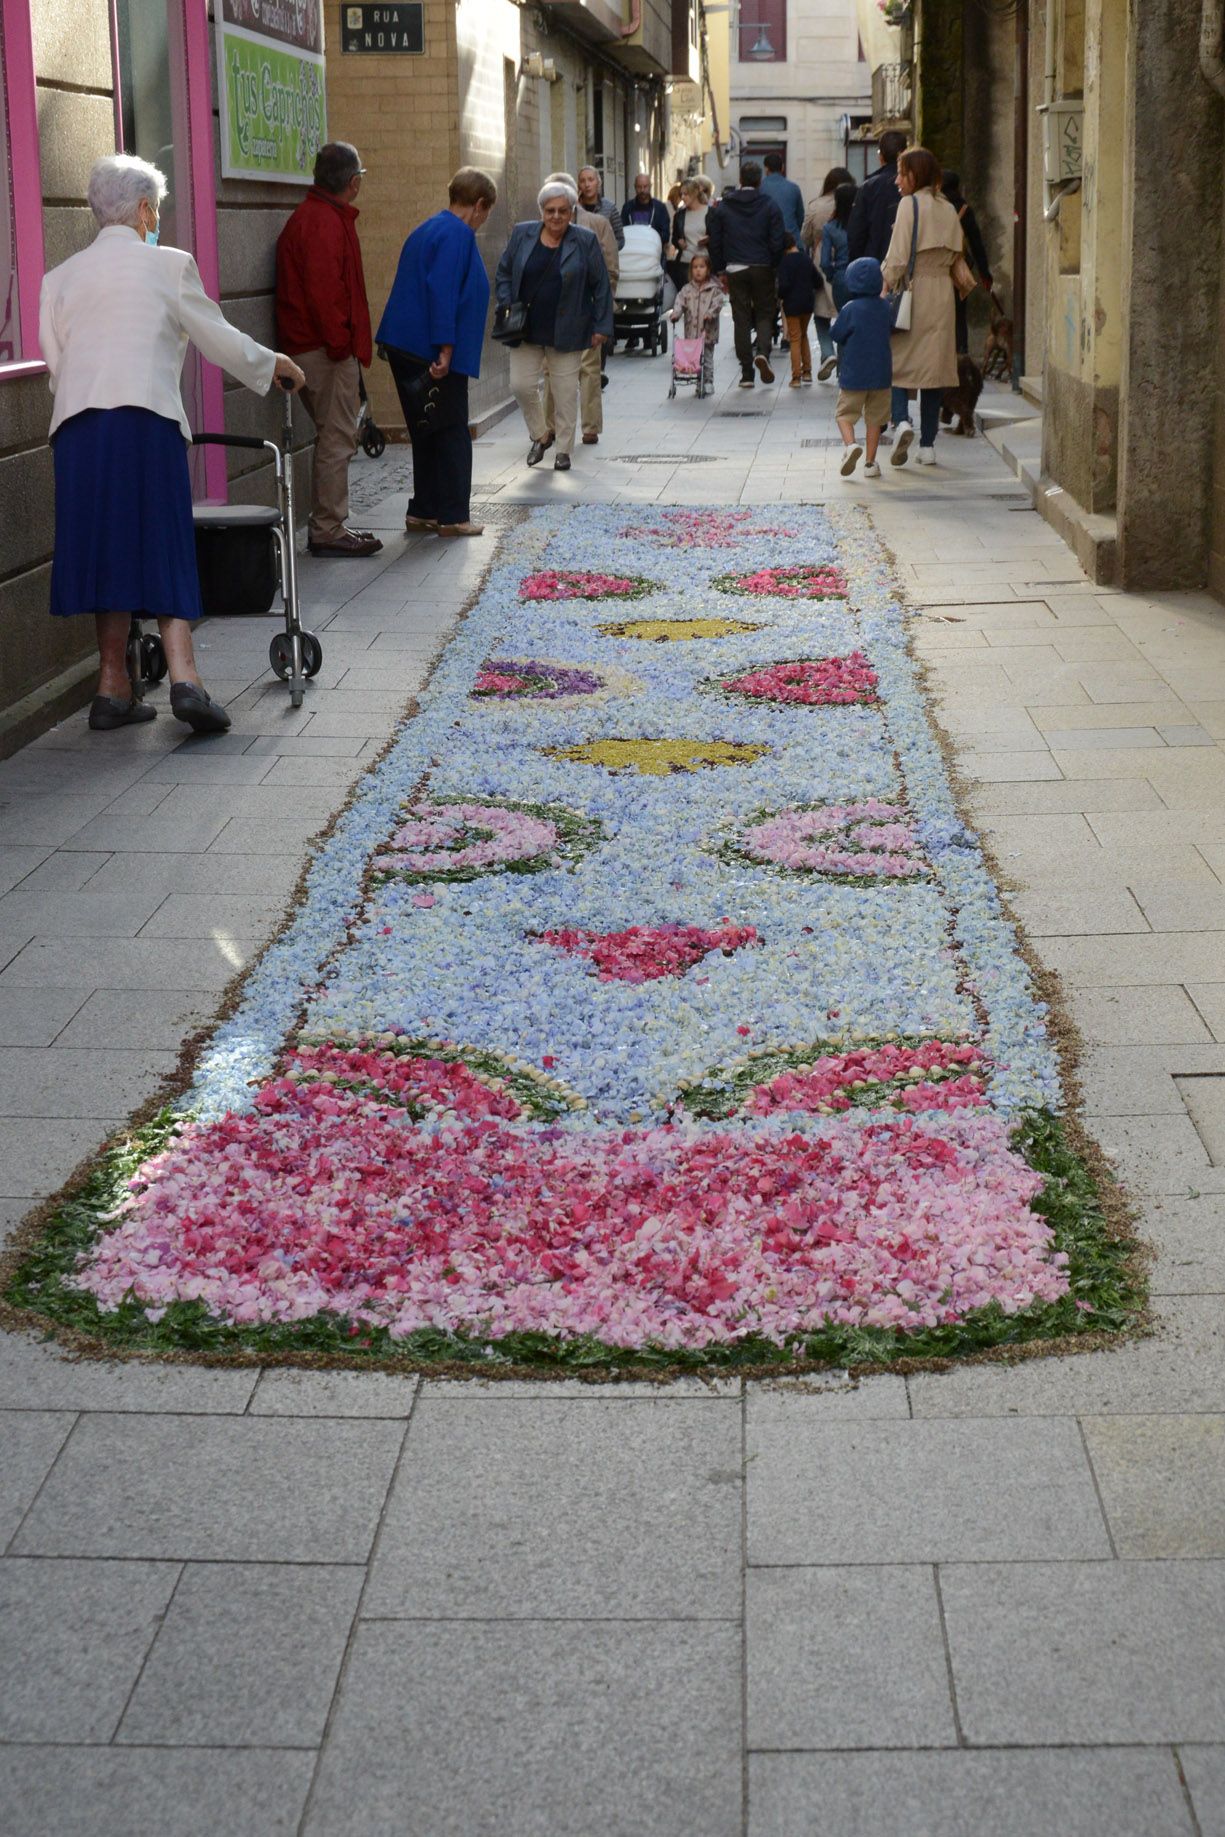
(925, 357)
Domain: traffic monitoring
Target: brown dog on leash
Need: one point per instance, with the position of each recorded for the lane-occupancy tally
(963, 400)
(997, 354)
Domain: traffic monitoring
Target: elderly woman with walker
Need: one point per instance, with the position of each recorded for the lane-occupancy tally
(554, 302)
(114, 324)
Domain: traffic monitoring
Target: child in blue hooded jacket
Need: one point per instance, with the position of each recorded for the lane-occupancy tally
(862, 332)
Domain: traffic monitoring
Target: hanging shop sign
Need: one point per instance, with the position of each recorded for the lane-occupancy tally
(270, 82)
(385, 30)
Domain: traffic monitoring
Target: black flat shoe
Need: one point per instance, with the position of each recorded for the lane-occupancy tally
(107, 711)
(194, 706)
(562, 463)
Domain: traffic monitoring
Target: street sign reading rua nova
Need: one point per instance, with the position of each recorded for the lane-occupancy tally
(270, 83)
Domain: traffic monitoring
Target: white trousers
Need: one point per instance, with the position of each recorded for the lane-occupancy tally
(530, 364)
(590, 392)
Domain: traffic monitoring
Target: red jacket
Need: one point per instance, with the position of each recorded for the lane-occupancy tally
(320, 287)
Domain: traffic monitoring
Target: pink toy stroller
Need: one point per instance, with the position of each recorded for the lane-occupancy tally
(687, 354)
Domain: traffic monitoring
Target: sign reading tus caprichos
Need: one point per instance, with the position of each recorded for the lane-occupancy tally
(270, 82)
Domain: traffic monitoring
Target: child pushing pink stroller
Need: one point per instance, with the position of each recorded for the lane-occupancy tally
(699, 303)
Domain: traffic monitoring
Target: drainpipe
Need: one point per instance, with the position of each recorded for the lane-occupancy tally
(636, 19)
(1211, 31)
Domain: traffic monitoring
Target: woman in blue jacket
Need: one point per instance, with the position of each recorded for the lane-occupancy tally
(557, 271)
(434, 324)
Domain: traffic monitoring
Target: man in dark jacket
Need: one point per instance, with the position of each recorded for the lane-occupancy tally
(746, 243)
(643, 208)
(323, 322)
(876, 202)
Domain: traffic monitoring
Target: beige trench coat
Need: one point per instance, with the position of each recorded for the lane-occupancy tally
(819, 213)
(925, 357)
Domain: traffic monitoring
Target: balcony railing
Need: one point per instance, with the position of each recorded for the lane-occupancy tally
(892, 93)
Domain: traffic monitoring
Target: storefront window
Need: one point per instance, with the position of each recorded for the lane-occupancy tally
(163, 114)
(21, 235)
(151, 102)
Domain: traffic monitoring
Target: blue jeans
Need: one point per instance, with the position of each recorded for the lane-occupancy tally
(929, 412)
(823, 338)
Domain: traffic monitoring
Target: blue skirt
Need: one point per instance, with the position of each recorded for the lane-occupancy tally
(124, 538)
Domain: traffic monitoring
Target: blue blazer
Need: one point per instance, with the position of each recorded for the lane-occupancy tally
(586, 298)
(440, 295)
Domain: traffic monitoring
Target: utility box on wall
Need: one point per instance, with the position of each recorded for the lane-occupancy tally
(1062, 134)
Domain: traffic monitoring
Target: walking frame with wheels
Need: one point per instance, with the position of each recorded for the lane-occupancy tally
(295, 655)
(687, 355)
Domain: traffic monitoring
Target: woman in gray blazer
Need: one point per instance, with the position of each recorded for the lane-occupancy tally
(557, 270)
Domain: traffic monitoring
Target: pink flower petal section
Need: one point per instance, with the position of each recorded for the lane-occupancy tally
(813, 682)
(455, 836)
(870, 840)
(321, 1201)
(644, 953)
(935, 1075)
(570, 584)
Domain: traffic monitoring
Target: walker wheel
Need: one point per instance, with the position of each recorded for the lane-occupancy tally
(152, 659)
(672, 391)
(374, 442)
(280, 655)
(312, 654)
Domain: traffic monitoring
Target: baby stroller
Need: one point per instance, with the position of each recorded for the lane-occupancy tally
(687, 354)
(638, 298)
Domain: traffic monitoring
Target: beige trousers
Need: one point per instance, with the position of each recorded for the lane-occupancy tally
(332, 401)
(590, 394)
(529, 365)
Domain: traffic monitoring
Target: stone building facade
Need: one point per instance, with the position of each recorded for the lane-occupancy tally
(1090, 136)
(801, 84)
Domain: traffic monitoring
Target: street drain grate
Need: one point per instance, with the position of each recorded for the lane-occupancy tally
(664, 459)
(504, 516)
(828, 441)
(744, 414)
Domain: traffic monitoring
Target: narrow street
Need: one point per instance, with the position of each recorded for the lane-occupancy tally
(989, 1599)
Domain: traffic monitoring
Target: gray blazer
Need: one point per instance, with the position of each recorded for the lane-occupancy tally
(586, 297)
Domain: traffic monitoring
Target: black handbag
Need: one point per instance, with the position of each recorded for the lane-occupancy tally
(510, 322)
(430, 404)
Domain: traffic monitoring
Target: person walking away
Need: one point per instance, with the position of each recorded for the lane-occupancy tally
(556, 270)
(925, 357)
(746, 240)
(863, 333)
(591, 370)
(645, 209)
(114, 323)
(871, 223)
(817, 216)
(975, 251)
(700, 304)
(834, 257)
(797, 293)
(323, 320)
(591, 197)
(434, 325)
(785, 193)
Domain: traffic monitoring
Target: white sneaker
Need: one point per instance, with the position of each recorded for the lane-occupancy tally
(871, 470)
(850, 459)
(927, 455)
(901, 443)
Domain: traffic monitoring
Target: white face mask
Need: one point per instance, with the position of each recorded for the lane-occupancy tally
(151, 236)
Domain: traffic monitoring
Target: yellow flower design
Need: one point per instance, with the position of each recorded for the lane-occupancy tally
(657, 758)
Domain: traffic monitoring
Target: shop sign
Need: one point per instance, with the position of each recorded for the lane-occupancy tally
(270, 81)
(384, 29)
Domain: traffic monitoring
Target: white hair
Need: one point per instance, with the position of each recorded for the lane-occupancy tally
(117, 185)
(562, 178)
(556, 189)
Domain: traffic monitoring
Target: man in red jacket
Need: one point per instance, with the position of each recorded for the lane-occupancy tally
(323, 319)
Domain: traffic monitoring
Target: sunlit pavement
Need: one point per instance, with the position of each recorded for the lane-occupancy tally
(987, 1600)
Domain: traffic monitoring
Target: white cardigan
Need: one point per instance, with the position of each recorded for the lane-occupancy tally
(114, 324)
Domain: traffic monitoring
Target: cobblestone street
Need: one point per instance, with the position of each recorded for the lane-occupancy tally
(987, 1600)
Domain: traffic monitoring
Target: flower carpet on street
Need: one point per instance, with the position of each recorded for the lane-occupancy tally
(649, 1006)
